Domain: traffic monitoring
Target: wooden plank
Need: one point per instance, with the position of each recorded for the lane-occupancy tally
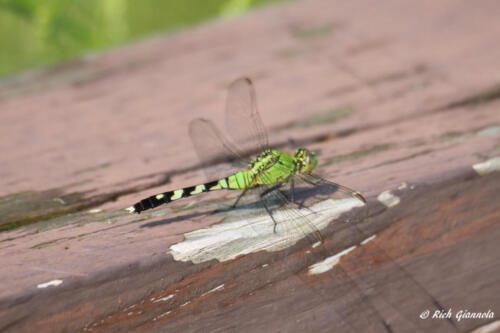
(401, 102)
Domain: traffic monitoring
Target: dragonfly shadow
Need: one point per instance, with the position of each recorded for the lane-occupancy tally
(302, 197)
(304, 194)
(178, 218)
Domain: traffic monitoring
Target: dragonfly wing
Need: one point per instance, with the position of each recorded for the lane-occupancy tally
(292, 220)
(308, 203)
(218, 156)
(291, 223)
(335, 190)
(243, 122)
(326, 202)
(244, 127)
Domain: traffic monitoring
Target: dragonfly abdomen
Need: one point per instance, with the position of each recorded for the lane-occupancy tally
(241, 180)
(166, 197)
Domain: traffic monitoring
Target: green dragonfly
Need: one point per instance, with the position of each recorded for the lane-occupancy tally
(273, 174)
(281, 186)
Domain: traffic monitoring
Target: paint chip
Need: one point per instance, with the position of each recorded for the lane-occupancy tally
(368, 239)
(162, 315)
(402, 186)
(54, 283)
(490, 327)
(59, 200)
(163, 299)
(95, 210)
(328, 263)
(318, 243)
(242, 234)
(130, 209)
(213, 290)
(483, 168)
(489, 131)
(388, 199)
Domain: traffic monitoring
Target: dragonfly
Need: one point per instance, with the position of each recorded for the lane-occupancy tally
(274, 174)
(281, 184)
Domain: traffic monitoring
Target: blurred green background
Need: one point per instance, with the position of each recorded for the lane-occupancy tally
(39, 32)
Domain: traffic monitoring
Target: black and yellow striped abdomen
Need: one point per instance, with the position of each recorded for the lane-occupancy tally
(238, 181)
(270, 167)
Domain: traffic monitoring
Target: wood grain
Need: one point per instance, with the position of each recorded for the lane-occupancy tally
(400, 97)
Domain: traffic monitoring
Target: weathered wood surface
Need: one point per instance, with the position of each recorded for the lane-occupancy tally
(398, 96)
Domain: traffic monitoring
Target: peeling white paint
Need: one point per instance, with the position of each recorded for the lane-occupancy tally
(402, 186)
(163, 299)
(483, 168)
(318, 243)
(162, 315)
(130, 307)
(488, 131)
(490, 327)
(240, 235)
(95, 211)
(328, 263)
(130, 209)
(214, 289)
(54, 283)
(388, 199)
(59, 200)
(368, 239)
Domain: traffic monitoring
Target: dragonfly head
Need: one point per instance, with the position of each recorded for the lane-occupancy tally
(306, 160)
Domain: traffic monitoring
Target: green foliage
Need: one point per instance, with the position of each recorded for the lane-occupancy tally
(37, 32)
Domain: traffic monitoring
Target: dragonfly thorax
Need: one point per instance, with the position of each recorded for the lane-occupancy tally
(265, 160)
(273, 166)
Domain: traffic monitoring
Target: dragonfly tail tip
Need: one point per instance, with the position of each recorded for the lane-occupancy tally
(130, 209)
(359, 196)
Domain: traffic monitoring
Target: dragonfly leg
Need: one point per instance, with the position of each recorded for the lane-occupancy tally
(292, 195)
(308, 181)
(239, 197)
(301, 203)
(263, 194)
(271, 215)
